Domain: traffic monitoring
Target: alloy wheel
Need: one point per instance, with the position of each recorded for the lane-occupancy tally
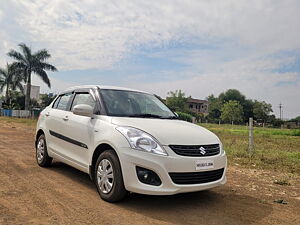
(105, 176)
(40, 150)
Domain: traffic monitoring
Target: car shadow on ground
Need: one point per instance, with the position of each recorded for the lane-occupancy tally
(217, 206)
(73, 174)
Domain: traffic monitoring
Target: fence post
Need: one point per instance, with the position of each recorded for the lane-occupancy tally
(193, 119)
(251, 141)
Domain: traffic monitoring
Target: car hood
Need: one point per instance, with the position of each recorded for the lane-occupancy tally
(166, 131)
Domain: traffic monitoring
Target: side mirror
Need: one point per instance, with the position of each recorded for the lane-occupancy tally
(176, 114)
(83, 110)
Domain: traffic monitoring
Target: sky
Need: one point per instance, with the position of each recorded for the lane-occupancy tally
(201, 47)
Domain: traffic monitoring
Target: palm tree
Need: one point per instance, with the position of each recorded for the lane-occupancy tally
(1, 79)
(11, 80)
(29, 63)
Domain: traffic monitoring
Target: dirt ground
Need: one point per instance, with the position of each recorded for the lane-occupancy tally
(60, 194)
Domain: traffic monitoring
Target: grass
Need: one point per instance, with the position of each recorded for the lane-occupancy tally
(237, 129)
(274, 149)
(30, 122)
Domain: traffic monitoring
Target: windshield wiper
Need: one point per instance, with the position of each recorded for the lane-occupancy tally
(170, 117)
(148, 115)
(145, 115)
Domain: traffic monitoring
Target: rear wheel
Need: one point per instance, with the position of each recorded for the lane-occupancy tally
(42, 157)
(108, 177)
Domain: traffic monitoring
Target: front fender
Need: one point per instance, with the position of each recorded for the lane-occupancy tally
(110, 136)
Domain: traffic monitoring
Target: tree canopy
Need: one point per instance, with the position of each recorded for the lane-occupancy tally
(261, 110)
(28, 63)
(177, 100)
(229, 106)
(232, 95)
(251, 108)
(232, 111)
(10, 80)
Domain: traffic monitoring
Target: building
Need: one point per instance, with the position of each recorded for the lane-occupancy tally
(198, 106)
(291, 125)
(34, 93)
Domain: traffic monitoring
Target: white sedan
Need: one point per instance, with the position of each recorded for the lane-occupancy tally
(128, 141)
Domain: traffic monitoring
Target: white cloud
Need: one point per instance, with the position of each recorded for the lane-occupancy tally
(97, 34)
(56, 85)
(250, 75)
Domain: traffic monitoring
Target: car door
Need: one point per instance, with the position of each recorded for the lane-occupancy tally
(55, 122)
(79, 130)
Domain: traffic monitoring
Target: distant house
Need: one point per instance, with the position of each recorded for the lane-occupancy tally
(198, 106)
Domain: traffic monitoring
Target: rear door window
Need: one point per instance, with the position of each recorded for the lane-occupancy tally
(54, 106)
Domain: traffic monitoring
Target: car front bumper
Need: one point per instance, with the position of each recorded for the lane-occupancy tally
(162, 166)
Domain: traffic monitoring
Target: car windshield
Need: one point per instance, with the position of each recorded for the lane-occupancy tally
(134, 104)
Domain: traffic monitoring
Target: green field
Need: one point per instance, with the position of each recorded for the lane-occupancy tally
(275, 149)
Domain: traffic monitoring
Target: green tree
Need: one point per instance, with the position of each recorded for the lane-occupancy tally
(232, 111)
(177, 101)
(17, 100)
(261, 110)
(46, 100)
(214, 109)
(1, 79)
(29, 63)
(11, 80)
(248, 109)
(274, 121)
(233, 95)
(296, 119)
(236, 95)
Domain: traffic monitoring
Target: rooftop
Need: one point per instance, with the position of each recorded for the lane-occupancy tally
(103, 87)
(193, 100)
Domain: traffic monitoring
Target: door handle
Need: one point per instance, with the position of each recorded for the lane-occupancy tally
(66, 118)
(47, 114)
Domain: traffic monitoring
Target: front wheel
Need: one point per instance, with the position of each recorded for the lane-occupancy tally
(108, 177)
(42, 157)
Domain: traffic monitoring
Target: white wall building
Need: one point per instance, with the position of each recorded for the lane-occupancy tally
(35, 91)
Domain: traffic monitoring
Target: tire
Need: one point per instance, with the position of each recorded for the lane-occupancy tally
(42, 157)
(110, 187)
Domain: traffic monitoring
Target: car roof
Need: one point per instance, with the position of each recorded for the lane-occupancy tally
(102, 87)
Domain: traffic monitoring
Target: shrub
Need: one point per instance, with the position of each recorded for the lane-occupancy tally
(185, 116)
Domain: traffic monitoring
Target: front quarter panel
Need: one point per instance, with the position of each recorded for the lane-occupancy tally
(106, 133)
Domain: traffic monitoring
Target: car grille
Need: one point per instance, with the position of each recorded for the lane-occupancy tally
(195, 150)
(197, 177)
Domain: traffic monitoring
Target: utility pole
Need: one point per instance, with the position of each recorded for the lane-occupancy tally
(251, 141)
(280, 111)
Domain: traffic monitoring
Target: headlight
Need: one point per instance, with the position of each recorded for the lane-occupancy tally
(140, 140)
(221, 148)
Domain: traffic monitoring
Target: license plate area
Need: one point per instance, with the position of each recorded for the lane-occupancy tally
(204, 164)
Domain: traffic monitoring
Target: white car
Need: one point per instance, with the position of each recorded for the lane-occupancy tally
(128, 141)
